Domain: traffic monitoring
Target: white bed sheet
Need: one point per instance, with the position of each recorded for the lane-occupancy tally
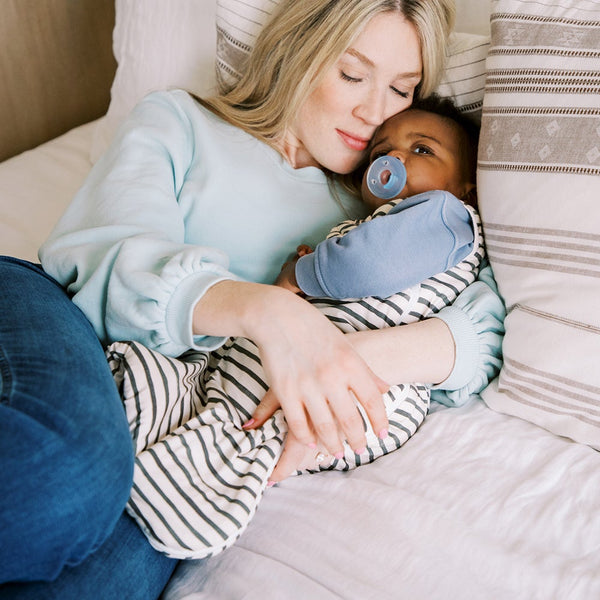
(37, 185)
(477, 505)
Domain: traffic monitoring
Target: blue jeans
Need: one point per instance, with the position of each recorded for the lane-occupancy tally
(66, 456)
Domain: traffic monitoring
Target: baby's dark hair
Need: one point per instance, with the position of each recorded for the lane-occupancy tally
(445, 107)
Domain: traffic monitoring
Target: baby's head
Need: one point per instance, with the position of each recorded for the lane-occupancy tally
(436, 143)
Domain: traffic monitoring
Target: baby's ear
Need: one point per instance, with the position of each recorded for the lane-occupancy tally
(470, 195)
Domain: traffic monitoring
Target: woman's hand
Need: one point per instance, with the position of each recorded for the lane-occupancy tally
(309, 364)
(317, 376)
(295, 455)
(422, 351)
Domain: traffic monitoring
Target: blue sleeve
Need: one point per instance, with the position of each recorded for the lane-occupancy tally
(476, 320)
(421, 236)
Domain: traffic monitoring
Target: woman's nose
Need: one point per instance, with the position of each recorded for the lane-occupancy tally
(372, 109)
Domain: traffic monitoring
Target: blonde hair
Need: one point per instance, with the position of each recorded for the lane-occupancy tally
(303, 39)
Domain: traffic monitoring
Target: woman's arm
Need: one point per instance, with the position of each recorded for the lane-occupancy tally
(120, 248)
(310, 365)
(459, 351)
(423, 351)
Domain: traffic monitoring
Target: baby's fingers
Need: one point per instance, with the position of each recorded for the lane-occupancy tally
(292, 456)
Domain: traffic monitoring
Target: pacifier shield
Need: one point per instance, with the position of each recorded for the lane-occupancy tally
(386, 177)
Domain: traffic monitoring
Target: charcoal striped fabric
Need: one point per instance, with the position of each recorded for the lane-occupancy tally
(539, 196)
(199, 476)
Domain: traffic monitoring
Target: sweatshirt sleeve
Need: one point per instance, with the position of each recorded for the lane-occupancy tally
(120, 247)
(476, 320)
(420, 237)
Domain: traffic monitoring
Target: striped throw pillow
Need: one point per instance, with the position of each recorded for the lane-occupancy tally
(539, 196)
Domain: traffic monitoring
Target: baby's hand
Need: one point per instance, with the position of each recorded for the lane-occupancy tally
(287, 277)
(298, 457)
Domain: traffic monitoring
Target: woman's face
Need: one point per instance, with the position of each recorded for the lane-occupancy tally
(373, 80)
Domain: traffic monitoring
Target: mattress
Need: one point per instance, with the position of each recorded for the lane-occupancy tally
(477, 505)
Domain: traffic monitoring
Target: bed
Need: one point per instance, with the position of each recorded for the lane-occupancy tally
(497, 499)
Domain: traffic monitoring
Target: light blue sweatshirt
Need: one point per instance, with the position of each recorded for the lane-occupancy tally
(182, 200)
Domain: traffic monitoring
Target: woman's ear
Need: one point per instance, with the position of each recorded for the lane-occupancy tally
(470, 195)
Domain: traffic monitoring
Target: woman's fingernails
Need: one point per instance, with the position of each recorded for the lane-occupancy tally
(339, 455)
(360, 450)
(312, 445)
(248, 424)
(383, 434)
(271, 483)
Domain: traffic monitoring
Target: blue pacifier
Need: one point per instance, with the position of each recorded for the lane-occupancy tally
(386, 177)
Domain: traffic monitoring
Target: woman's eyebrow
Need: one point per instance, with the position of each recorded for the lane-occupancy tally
(367, 61)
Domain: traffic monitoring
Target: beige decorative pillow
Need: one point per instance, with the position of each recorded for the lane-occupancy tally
(539, 196)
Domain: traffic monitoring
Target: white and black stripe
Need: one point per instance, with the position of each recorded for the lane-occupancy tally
(199, 476)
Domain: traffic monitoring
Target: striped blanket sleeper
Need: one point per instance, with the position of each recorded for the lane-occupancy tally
(199, 476)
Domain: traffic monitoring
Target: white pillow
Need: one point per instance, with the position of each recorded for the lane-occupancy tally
(162, 45)
(539, 198)
(158, 45)
(464, 76)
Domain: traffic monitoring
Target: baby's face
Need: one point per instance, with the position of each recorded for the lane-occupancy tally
(431, 148)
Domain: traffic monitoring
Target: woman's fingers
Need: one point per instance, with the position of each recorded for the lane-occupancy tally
(350, 423)
(369, 395)
(265, 409)
(330, 421)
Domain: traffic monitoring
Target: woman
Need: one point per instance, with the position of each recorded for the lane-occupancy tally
(172, 241)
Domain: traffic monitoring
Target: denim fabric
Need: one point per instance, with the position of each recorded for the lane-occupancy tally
(125, 567)
(66, 456)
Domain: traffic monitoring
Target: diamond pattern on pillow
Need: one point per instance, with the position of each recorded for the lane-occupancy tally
(538, 184)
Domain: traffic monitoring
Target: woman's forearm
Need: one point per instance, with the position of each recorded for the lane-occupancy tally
(235, 308)
(309, 365)
(423, 351)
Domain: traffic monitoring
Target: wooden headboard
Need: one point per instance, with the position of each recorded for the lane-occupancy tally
(56, 68)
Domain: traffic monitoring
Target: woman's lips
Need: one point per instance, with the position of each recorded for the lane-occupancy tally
(354, 143)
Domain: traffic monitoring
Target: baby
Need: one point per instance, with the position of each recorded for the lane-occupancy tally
(200, 470)
(428, 234)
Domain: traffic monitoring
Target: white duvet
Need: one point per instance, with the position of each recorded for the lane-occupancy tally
(477, 505)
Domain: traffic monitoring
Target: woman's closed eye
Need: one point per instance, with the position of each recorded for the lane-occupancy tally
(350, 78)
(357, 79)
(400, 92)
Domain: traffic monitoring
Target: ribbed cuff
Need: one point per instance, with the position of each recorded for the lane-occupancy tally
(180, 312)
(466, 343)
